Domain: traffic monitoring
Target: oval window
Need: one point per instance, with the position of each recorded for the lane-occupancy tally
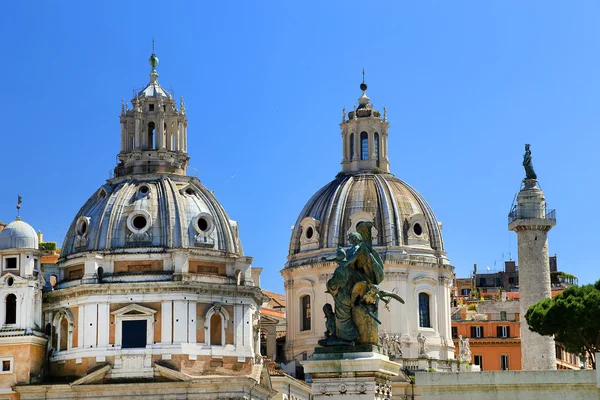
(309, 232)
(417, 229)
(144, 189)
(189, 191)
(202, 224)
(10, 281)
(139, 222)
(83, 227)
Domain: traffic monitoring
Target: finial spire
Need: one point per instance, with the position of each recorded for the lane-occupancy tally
(363, 76)
(19, 201)
(153, 61)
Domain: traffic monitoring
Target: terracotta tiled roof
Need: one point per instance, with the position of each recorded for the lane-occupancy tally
(279, 299)
(273, 313)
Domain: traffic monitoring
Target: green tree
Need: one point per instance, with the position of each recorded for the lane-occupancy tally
(573, 317)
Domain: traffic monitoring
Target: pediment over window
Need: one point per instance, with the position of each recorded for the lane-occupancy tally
(15, 278)
(133, 309)
(426, 279)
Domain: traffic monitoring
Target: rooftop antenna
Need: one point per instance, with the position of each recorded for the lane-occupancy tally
(363, 76)
(19, 201)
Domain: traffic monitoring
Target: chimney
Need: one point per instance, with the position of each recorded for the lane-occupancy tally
(553, 263)
(40, 237)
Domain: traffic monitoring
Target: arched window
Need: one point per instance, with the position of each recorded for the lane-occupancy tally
(305, 314)
(424, 320)
(131, 142)
(11, 309)
(351, 146)
(364, 146)
(376, 145)
(63, 336)
(151, 129)
(215, 330)
(174, 142)
(215, 325)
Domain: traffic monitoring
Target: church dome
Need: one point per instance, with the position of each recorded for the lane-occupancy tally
(400, 215)
(165, 212)
(18, 235)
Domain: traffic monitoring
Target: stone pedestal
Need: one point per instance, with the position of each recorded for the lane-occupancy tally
(352, 372)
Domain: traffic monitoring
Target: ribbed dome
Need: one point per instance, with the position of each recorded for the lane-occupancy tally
(400, 215)
(161, 212)
(18, 235)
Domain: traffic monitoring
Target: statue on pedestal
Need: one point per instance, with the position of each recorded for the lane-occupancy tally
(355, 292)
(529, 172)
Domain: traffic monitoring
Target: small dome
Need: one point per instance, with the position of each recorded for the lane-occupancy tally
(18, 235)
(154, 90)
(400, 215)
(159, 212)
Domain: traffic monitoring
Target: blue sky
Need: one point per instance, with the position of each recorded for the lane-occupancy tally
(465, 83)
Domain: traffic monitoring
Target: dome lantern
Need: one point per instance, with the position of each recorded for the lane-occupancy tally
(364, 137)
(153, 132)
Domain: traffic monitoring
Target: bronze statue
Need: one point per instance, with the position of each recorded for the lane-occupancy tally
(355, 290)
(529, 172)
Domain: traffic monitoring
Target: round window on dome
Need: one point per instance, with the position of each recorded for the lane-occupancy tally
(82, 226)
(140, 222)
(202, 224)
(418, 229)
(144, 190)
(310, 232)
(190, 191)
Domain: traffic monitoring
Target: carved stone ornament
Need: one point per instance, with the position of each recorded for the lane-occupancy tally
(361, 387)
(342, 388)
(322, 388)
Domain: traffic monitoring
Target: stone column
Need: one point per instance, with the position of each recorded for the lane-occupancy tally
(531, 221)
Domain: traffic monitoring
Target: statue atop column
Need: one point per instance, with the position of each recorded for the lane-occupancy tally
(529, 172)
(355, 290)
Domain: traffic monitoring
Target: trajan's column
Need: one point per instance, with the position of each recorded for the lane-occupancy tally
(530, 219)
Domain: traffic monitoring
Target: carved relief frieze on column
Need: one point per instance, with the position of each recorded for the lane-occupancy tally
(323, 278)
(288, 284)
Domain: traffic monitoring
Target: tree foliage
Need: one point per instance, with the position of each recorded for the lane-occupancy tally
(572, 316)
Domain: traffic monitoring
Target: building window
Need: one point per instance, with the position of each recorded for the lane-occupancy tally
(134, 334)
(376, 147)
(504, 362)
(477, 331)
(305, 313)
(150, 107)
(11, 309)
(424, 320)
(6, 365)
(129, 322)
(10, 263)
(466, 292)
(351, 145)
(151, 135)
(478, 360)
(364, 146)
(454, 332)
(502, 315)
(215, 325)
(503, 331)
